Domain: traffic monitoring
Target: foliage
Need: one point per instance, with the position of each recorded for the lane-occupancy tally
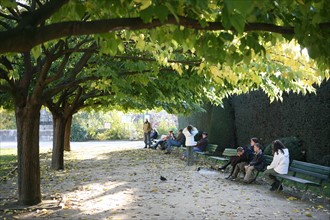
(293, 144)
(95, 123)
(78, 133)
(174, 55)
(7, 119)
(8, 162)
(229, 44)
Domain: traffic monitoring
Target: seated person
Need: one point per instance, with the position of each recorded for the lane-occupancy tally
(199, 147)
(257, 164)
(232, 160)
(164, 139)
(279, 165)
(180, 139)
(245, 155)
(153, 134)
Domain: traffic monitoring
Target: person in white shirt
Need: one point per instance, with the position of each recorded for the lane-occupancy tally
(189, 132)
(279, 165)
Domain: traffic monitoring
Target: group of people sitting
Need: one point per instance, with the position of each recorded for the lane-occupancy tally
(168, 141)
(250, 160)
(185, 137)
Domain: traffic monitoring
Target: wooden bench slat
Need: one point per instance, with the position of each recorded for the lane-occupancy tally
(312, 168)
(228, 152)
(219, 158)
(296, 179)
(308, 173)
(210, 149)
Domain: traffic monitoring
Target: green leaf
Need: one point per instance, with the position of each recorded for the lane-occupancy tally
(146, 15)
(8, 3)
(162, 13)
(36, 51)
(244, 7)
(238, 22)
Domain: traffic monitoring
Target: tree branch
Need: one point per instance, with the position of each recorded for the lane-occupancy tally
(39, 16)
(23, 39)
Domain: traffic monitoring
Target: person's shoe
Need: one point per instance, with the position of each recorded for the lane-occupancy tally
(228, 177)
(274, 186)
(280, 188)
(182, 158)
(222, 168)
(168, 152)
(231, 178)
(145, 146)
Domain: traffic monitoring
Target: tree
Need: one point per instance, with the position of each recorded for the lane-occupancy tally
(214, 47)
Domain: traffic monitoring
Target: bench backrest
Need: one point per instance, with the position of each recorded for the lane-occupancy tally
(211, 148)
(268, 159)
(310, 169)
(229, 152)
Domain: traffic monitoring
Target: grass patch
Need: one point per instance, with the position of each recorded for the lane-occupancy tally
(8, 161)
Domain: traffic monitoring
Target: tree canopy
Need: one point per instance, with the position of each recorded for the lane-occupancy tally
(144, 54)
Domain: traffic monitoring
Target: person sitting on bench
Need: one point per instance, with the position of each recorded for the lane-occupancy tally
(257, 164)
(164, 139)
(232, 159)
(200, 146)
(244, 156)
(180, 139)
(279, 165)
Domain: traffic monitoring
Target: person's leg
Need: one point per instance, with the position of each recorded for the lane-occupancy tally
(196, 149)
(241, 167)
(157, 143)
(145, 139)
(271, 179)
(171, 143)
(149, 140)
(249, 174)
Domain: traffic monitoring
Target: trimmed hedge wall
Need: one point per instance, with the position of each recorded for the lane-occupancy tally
(305, 117)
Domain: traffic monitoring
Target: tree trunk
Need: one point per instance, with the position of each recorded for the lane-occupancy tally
(67, 134)
(27, 121)
(58, 142)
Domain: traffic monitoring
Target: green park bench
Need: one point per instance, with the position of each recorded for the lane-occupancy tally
(227, 153)
(308, 174)
(210, 149)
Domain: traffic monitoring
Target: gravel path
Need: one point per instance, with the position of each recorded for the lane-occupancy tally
(121, 180)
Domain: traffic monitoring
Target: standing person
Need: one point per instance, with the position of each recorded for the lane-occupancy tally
(146, 130)
(257, 163)
(189, 132)
(178, 141)
(201, 144)
(279, 165)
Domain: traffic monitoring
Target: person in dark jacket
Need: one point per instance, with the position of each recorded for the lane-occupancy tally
(232, 159)
(178, 141)
(200, 146)
(245, 155)
(257, 164)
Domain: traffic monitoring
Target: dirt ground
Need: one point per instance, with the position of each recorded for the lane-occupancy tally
(121, 180)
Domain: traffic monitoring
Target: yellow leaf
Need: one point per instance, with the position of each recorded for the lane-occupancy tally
(291, 198)
(308, 214)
